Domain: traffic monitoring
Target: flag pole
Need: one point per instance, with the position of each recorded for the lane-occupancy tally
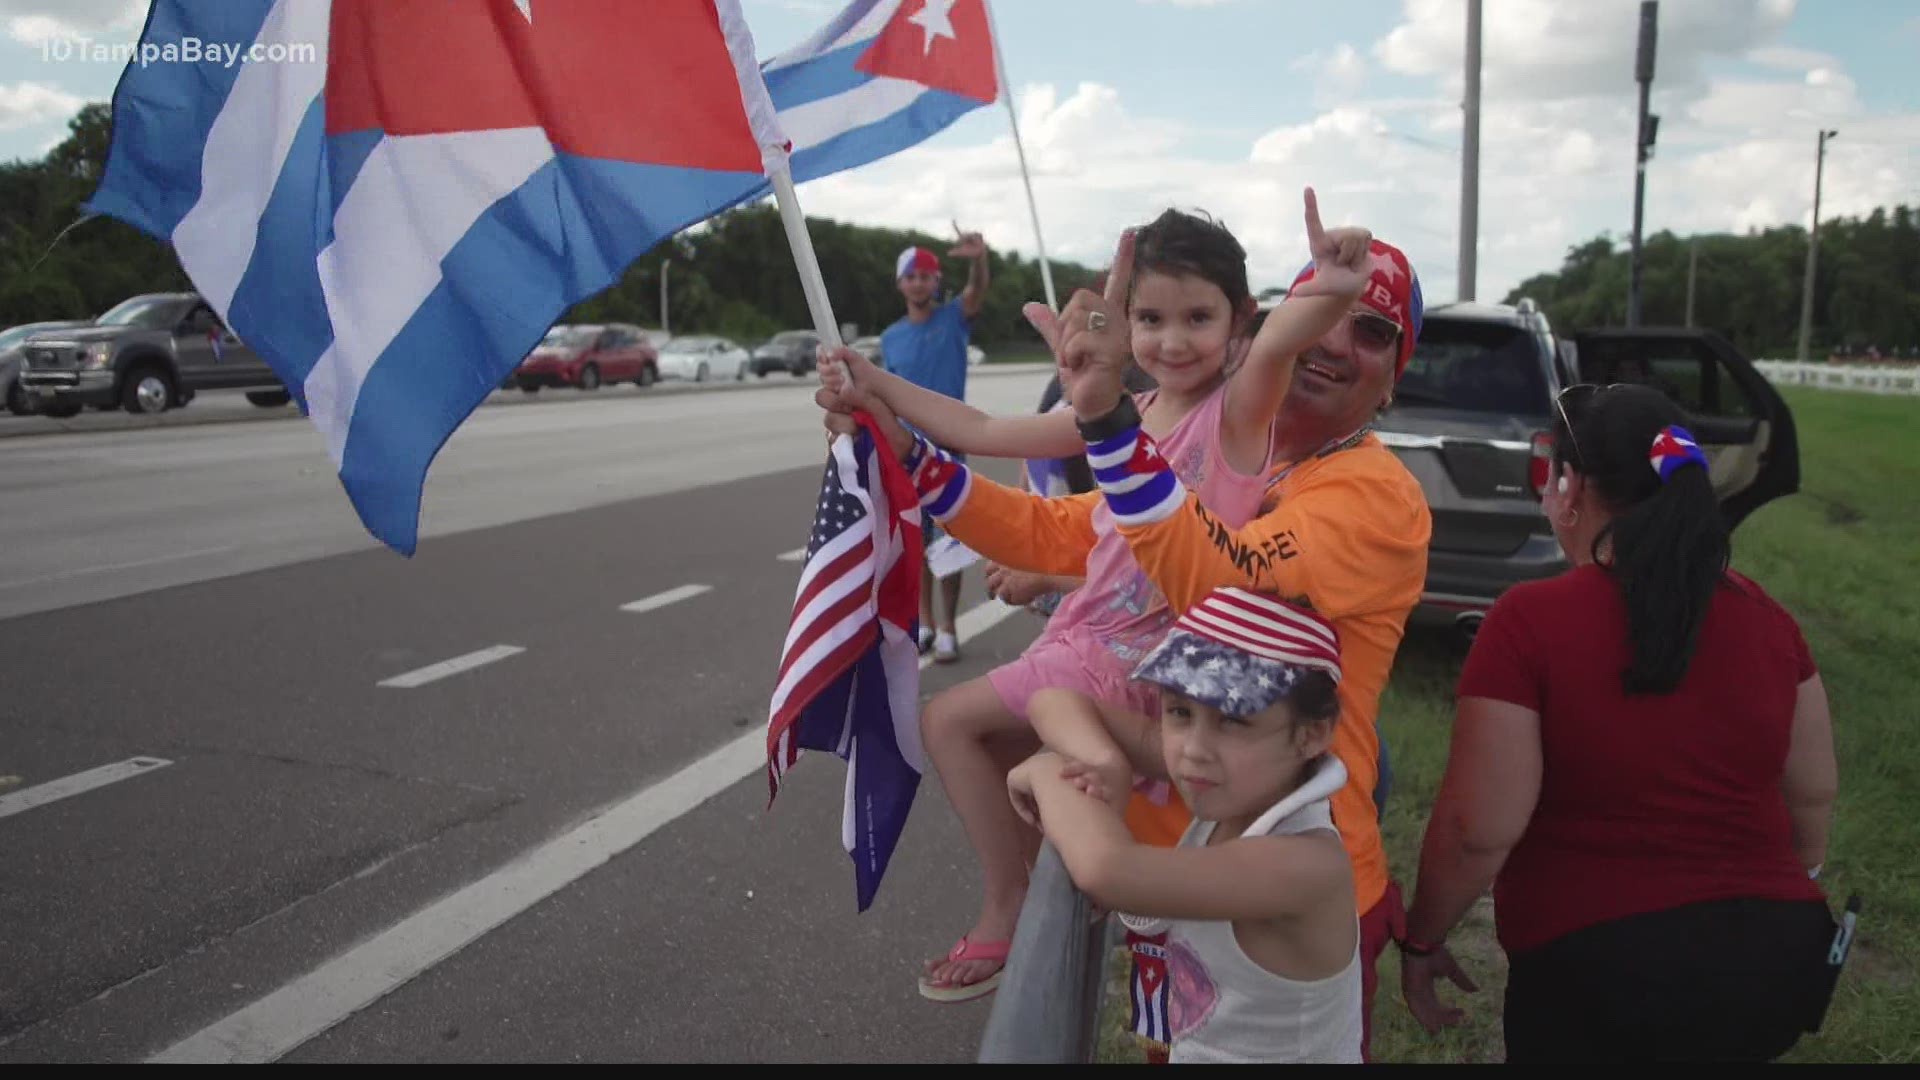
(804, 260)
(1013, 121)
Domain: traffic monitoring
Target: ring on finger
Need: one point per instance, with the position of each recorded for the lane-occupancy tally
(1096, 321)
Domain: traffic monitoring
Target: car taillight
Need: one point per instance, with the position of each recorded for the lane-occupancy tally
(1540, 464)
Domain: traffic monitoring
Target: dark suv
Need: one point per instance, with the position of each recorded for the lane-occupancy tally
(791, 351)
(1472, 420)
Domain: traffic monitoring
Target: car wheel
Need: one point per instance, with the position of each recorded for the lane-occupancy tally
(701, 374)
(648, 376)
(18, 403)
(269, 399)
(146, 389)
(534, 389)
(590, 377)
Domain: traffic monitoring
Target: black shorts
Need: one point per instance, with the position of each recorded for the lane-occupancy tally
(1728, 980)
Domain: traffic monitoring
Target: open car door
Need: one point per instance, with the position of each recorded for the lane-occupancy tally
(1740, 420)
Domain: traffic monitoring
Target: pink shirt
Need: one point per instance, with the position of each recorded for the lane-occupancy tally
(1119, 606)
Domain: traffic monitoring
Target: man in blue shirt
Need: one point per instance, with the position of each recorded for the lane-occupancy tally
(928, 347)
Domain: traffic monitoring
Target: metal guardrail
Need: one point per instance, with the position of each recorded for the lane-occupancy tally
(1902, 381)
(1047, 1008)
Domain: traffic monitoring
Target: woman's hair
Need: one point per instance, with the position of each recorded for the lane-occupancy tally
(1198, 246)
(1669, 543)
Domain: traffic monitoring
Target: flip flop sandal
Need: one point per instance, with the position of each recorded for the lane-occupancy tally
(968, 950)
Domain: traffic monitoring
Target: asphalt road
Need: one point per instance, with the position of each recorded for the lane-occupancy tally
(222, 837)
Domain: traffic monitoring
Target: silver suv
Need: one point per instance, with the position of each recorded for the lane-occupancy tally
(1472, 419)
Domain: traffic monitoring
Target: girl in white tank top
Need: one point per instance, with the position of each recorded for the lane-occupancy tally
(1263, 955)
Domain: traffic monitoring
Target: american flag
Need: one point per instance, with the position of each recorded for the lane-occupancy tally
(849, 672)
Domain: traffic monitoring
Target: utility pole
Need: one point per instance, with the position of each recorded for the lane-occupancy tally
(1470, 159)
(1649, 128)
(1693, 268)
(666, 268)
(1813, 246)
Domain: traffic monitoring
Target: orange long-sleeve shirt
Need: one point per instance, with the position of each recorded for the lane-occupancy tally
(1344, 533)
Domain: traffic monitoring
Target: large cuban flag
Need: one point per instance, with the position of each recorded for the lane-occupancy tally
(392, 200)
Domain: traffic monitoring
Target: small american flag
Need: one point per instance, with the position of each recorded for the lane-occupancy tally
(849, 671)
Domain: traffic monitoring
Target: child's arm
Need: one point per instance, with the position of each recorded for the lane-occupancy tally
(957, 426)
(1262, 877)
(1309, 313)
(1115, 743)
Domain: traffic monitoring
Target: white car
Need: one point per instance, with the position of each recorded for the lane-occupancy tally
(700, 357)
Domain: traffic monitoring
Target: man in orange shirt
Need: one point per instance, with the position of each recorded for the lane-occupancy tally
(1344, 530)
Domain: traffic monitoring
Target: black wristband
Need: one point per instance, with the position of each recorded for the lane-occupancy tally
(1123, 417)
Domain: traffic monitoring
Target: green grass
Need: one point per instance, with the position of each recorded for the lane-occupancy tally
(1844, 557)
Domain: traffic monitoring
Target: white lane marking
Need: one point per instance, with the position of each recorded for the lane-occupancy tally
(54, 790)
(671, 596)
(435, 672)
(311, 1004)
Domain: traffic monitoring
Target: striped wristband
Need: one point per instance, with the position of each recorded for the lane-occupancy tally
(941, 482)
(1140, 487)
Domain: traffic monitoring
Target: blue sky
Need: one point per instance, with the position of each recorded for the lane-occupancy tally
(1128, 106)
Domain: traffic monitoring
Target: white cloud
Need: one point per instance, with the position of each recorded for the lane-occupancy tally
(1337, 76)
(1786, 59)
(32, 22)
(27, 103)
(1553, 49)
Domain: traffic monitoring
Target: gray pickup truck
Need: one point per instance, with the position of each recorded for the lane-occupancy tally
(148, 354)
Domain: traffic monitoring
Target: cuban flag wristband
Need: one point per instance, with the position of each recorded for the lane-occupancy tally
(941, 482)
(1140, 487)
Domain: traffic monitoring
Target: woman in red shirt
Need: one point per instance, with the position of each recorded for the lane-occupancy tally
(1642, 767)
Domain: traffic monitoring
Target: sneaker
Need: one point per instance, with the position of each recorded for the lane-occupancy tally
(926, 640)
(945, 648)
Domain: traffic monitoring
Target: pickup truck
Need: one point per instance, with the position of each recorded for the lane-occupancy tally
(148, 354)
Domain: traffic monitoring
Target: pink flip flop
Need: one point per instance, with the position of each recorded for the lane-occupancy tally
(965, 949)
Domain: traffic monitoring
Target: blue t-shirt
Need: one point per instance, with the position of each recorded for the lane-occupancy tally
(932, 354)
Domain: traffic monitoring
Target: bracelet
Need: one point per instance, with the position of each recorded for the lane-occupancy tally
(1410, 947)
(1124, 416)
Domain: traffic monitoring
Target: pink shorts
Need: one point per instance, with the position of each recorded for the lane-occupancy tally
(1071, 661)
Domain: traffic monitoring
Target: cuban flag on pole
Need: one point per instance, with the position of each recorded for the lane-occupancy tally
(393, 200)
(882, 76)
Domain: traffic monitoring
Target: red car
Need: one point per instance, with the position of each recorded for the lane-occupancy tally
(587, 357)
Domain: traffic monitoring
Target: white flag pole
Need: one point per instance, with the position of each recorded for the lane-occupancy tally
(811, 282)
(764, 119)
(1006, 95)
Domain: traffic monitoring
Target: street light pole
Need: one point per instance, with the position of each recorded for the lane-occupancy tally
(666, 267)
(1813, 246)
(1470, 159)
(1643, 74)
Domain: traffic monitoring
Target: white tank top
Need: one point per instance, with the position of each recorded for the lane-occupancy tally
(1225, 1009)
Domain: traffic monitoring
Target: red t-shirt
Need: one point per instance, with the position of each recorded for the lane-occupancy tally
(1650, 802)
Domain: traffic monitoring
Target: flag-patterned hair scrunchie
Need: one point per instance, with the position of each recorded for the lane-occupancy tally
(1674, 449)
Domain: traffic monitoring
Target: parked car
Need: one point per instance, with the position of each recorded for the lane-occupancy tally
(11, 339)
(869, 347)
(1472, 419)
(791, 351)
(147, 354)
(588, 357)
(700, 357)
